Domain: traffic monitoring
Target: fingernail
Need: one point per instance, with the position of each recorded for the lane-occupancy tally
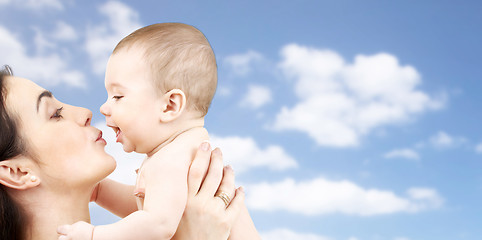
(241, 189)
(205, 146)
(228, 167)
(217, 151)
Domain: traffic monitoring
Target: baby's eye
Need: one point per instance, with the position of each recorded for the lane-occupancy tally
(117, 97)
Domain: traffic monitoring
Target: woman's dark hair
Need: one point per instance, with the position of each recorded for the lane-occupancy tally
(11, 215)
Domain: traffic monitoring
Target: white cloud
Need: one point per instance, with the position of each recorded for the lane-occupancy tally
(320, 196)
(36, 4)
(429, 198)
(403, 153)
(103, 37)
(45, 68)
(40, 4)
(244, 153)
(340, 102)
(478, 148)
(127, 163)
(286, 234)
(223, 91)
(64, 32)
(42, 44)
(444, 140)
(241, 64)
(256, 97)
(48, 42)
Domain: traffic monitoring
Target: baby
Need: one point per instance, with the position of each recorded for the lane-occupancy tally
(160, 82)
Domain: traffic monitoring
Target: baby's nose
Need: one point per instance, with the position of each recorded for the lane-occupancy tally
(104, 109)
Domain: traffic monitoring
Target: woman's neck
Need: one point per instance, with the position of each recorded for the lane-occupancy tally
(48, 210)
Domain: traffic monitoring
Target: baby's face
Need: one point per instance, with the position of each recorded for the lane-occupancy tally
(132, 103)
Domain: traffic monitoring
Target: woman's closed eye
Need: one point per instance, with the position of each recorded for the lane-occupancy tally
(57, 114)
(117, 97)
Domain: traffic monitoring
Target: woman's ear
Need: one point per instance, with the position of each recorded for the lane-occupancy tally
(14, 174)
(173, 105)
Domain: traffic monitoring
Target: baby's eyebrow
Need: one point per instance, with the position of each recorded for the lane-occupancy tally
(45, 93)
(113, 85)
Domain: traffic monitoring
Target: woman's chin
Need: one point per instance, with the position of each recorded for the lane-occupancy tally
(112, 167)
(109, 166)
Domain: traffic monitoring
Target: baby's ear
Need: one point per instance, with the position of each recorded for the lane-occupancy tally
(15, 174)
(173, 105)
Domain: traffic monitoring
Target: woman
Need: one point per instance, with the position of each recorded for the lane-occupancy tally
(51, 159)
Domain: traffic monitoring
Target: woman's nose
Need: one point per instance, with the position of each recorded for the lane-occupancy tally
(81, 116)
(87, 117)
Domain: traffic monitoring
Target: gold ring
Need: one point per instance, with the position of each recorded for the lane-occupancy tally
(225, 197)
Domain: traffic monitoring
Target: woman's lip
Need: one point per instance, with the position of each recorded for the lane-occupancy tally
(99, 136)
(100, 139)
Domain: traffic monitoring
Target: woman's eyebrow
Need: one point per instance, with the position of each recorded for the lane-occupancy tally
(45, 93)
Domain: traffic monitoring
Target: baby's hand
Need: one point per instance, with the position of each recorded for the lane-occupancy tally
(76, 231)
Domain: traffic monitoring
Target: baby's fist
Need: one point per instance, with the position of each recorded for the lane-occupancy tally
(76, 231)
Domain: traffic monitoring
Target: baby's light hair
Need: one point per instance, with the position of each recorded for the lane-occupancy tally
(180, 57)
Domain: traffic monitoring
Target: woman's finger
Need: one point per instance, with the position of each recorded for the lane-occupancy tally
(198, 168)
(64, 229)
(236, 205)
(214, 175)
(226, 190)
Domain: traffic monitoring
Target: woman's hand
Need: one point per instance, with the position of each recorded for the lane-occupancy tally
(207, 216)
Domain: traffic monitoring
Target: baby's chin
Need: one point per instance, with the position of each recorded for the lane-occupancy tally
(128, 148)
(138, 147)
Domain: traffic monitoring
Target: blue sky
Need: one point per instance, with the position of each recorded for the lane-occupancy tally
(344, 120)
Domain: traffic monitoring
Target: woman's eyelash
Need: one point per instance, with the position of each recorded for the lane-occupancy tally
(117, 97)
(57, 114)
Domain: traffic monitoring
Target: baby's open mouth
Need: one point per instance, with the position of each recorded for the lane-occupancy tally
(117, 134)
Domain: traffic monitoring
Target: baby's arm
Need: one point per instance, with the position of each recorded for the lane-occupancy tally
(164, 203)
(117, 198)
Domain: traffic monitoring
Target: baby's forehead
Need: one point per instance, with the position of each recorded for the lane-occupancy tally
(125, 68)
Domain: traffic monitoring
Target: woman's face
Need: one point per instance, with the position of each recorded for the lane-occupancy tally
(68, 151)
